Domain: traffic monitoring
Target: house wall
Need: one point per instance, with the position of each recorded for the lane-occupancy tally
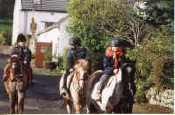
(59, 38)
(22, 22)
(18, 20)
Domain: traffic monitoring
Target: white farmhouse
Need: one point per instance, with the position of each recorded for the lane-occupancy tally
(46, 20)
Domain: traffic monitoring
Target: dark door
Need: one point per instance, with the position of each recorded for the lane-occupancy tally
(40, 53)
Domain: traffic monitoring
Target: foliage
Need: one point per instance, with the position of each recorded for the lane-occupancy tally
(96, 21)
(5, 32)
(5, 38)
(162, 72)
(62, 61)
(158, 11)
(48, 54)
(151, 57)
(6, 9)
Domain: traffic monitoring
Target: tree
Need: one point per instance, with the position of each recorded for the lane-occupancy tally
(96, 21)
(149, 30)
(6, 9)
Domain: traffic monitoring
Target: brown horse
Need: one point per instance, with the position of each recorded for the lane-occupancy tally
(16, 85)
(76, 95)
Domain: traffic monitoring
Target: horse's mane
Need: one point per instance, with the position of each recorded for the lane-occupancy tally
(81, 63)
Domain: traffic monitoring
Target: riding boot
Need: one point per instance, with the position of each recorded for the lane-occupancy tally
(103, 79)
(30, 75)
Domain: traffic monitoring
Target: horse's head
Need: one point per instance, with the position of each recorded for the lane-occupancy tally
(128, 70)
(15, 66)
(82, 70)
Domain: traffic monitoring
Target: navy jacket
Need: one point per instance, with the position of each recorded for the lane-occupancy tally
(108, 64)
(74, 54)
(24, 53)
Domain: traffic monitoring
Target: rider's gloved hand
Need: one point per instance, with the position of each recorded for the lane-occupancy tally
(71, 70)
(115, 71)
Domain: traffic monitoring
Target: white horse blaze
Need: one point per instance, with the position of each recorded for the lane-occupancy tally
(107, 92)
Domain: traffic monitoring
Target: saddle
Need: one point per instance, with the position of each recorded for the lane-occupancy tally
(108, 86)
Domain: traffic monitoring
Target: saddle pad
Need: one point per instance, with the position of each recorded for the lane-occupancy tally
(108, 90)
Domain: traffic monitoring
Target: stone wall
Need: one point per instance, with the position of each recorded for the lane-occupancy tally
(163, 98)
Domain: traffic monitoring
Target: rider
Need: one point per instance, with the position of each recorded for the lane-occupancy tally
(24, 54)
(113, 59)
(74, 53)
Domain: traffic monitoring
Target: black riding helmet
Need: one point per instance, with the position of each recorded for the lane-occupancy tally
(120, 42)
(21, 38)
(75, 41)
(116, 42)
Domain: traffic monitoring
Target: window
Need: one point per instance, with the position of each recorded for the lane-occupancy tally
(36, 2)
(48, 24)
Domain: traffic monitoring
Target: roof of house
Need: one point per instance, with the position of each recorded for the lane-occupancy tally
(45, 5)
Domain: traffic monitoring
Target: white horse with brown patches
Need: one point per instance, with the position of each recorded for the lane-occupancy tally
(117, 95)
(76, 90)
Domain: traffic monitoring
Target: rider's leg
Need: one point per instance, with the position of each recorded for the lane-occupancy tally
(6, 72)
(30, 74)
(103, 78)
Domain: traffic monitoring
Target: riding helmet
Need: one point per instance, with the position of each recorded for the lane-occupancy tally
(21, 38)
(120, 42)
(75, 41)
(116, 42)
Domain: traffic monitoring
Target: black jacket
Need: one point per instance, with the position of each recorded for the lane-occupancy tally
(81, 53)
(24, 53)
(75, 54)
(108, 64)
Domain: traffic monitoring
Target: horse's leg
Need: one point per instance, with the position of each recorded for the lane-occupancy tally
(76, 103)
(12, 102)
(109, 108)
(20, 101)
(117, 109)
(77, 107)
(68, 105)
(75, 100)
(16, 105)
(87, 109)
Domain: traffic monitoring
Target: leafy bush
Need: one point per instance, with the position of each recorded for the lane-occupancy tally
(5, 38)
(96, 21)
(5, 32)
(150, 58)
(48, 55)
(62, 61)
